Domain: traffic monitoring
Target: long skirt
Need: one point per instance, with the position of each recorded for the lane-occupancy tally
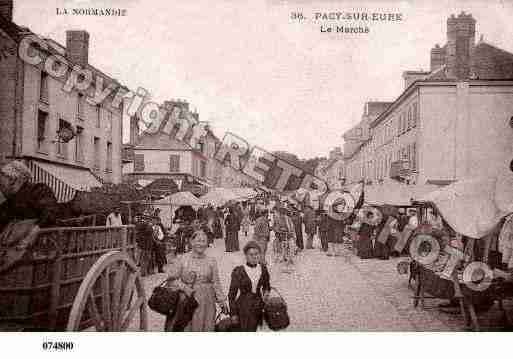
(232, 241)
(250, 310)
(263, 248)
(381, 250)
(218, 229)
(299, 239)
(364, 247)
(245, 224)
(204, 317)
(147, 261)
(324, 240)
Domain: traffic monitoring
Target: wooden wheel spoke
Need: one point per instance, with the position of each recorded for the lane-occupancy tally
(137, 305)
(93, 312)
(116, 295)
(127, 291)
(106, 313)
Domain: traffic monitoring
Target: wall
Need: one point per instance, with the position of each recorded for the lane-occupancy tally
(158, 160)
(436, 146)
(63, 105)
(465, 130)
(7, 95)
(489, 135)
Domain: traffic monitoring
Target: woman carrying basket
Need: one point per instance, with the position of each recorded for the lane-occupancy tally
(249, 289)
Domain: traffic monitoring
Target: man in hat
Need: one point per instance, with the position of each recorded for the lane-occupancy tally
(298, 226)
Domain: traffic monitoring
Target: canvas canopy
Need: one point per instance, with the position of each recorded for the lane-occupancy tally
(470, 206)
(219, 196)
(181, 199)
(244, 192)
(395, 193)
(168, 205)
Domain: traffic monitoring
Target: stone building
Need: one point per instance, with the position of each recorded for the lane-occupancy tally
(450, 123)
(36, 110)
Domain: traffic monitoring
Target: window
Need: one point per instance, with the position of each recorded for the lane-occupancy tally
(108, 165)
(98, 115)
(109, 122)
(96, 145)
(80, 106)
(138, 162)
(43, 87)
(203, 169)
(42, 120)
(414, 115)
(414, 156)
(174, 163)
(79, 145)
(62, 147)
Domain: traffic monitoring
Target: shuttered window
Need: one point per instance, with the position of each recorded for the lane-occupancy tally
(139, 162)
(174, 163)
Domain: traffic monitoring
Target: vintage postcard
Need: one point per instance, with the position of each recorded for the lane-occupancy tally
(255, 166)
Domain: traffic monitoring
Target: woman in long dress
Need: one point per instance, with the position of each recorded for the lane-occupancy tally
(249, 288)
(198, 273)
(232, 232)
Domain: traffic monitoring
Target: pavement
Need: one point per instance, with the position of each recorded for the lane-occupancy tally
(342, 293)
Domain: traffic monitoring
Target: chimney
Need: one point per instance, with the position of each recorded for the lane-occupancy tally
(461, 37)
(437, 58)
(6, 9)
(77, 46)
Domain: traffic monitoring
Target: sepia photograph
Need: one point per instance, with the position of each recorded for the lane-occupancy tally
(255, 166)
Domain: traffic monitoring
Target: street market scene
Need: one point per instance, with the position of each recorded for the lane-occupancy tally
(120, 214)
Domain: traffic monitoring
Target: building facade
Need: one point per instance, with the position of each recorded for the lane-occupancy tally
(161, 155)
(35, 107)
(450, 123)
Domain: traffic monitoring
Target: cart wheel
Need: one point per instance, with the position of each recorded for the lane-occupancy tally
(111, 294)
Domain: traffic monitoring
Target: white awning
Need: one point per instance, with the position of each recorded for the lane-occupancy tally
(395, 193)
(64, 181)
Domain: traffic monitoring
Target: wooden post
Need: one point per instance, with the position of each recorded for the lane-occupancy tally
(56, 284)
(124, 239)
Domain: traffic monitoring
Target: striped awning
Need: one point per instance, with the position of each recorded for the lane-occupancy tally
(64, 181)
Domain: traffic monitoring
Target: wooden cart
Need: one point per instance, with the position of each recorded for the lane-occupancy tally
(75, 278)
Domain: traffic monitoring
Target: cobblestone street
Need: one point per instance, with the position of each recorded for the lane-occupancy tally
(339, 294)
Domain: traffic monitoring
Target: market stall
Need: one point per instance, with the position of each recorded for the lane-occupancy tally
(169, 204)
(473, 221)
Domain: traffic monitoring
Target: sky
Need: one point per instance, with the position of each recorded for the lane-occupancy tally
(248, 68)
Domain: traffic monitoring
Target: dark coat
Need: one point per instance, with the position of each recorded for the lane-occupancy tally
(323, 223)
(144, 236)
(310, 220)
(336, 230)
(232, 223)
(247, 305)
